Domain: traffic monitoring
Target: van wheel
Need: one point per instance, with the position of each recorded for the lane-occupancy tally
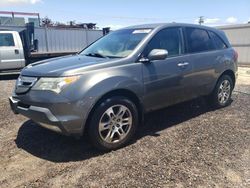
(221, 95)
(113, 123)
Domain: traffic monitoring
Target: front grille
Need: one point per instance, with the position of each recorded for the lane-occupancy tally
(24, 83)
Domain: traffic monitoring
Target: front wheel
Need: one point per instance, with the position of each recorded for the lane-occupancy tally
(113, 123)
(221, 95)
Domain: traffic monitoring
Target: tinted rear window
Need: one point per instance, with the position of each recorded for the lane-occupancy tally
(6, 39)
(218, 42)
(198, 40)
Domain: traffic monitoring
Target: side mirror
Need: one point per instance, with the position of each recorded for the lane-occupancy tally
(155, 54)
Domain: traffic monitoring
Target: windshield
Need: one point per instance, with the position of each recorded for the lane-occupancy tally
(117, 44)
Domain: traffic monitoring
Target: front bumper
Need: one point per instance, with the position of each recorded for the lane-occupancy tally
(52, 112)
(40, 115)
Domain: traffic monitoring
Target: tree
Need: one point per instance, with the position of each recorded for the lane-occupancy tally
(47, 22)
(72, 23)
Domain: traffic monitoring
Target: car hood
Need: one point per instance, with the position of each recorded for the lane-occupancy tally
(65, 66)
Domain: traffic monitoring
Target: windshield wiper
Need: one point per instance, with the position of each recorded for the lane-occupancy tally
(95, 55)
(114, 56)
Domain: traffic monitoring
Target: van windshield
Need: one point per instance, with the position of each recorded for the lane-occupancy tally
(117, 44)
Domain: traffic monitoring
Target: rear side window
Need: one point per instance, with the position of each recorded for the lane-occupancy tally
(6, 39)
(218, 42)
(198, 40)
(168, 39)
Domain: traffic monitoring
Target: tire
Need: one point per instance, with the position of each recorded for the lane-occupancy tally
(221, 95)
(113, 123)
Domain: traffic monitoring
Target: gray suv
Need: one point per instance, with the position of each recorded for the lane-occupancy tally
(106, 89)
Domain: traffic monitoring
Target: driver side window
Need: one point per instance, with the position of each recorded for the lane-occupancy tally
(6, 39)
(168, 39)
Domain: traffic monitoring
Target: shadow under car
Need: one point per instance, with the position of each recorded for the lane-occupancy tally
(51, 146)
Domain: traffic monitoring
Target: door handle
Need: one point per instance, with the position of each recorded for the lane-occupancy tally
(16, 51)
(183, 64)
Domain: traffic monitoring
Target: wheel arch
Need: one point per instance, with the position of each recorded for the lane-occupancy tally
(229, 73)
(122, 93)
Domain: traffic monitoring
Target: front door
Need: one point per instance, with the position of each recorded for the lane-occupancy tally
(9, 52)
(166, 81)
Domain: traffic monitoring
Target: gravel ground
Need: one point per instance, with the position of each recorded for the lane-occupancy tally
(186, 145)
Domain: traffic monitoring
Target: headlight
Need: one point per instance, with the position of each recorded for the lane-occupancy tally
(54, 84)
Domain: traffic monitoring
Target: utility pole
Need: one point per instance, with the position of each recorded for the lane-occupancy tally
(201, 20)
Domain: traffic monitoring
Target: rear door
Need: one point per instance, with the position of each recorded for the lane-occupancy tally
(166, 81)
(203, 55)
(10, 57)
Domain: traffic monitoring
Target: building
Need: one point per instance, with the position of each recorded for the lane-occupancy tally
(239, 37)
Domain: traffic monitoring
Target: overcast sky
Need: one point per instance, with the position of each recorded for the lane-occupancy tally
(120, 13)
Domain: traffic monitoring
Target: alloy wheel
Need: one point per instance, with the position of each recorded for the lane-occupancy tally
(224, 92)
(115, 123)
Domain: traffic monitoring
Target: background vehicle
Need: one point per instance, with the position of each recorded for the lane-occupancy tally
(20, 46)
(11, 51)
(108, 87)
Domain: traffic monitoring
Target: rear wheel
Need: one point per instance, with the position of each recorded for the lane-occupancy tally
(221, 95)
(113, 123)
